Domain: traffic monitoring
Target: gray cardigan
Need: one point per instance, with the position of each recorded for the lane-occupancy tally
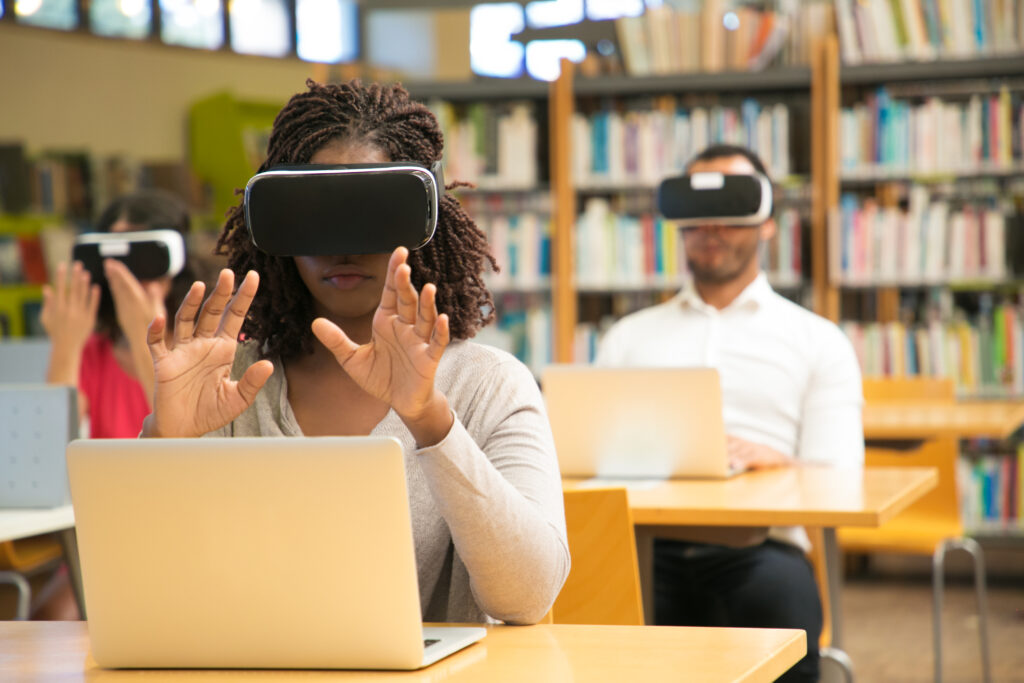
(486, 502)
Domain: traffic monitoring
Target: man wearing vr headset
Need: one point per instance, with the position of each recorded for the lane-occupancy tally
(791, 392)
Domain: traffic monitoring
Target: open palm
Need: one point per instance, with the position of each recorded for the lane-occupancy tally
(399, 362)
(194, 393)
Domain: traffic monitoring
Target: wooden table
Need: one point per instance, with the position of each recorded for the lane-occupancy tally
(922, 420)
(547, 652)
(797, 496)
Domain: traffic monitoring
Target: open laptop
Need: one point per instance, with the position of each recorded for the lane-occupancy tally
(636, 423)
(251, 553)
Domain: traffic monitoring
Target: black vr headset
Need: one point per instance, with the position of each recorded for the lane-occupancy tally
(716, 198)
(324, 210)
(149, 254)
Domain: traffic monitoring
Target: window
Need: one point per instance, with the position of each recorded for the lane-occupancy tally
(192, 23)
(260, 27)
(492, 52)
(328, 30)
(61, 14)
(121, 18)
(554, 13)
(414, 53)
(598, 10)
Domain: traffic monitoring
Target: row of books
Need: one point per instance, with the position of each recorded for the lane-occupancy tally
(76, 185)
(714, 36)
(936, 136)
(493, 145)
(990, 492)
(930, 242)
(523, 328)
(895, 30)
(618, 250)
(642, 146)
(984, 356)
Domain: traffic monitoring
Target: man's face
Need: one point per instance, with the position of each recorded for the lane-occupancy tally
(718, 253)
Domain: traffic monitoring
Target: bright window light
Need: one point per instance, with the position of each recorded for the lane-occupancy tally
(192, 23)
(598, 10)
(120, 18)
(554, 13)
(260, 27)
(61, 14)
(328, 30)
(1, 9)
(492, 52)
(543, 57)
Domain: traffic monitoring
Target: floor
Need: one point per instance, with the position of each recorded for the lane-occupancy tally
(887, 617)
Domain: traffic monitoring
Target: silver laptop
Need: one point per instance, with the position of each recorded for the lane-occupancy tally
(636, 423)
(269, 553)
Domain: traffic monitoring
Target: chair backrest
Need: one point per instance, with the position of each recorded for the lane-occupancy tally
(940, 390)
(604, 583)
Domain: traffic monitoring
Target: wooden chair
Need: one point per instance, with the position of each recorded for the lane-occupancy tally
(931, 526)
(24, 558)
(604, 583)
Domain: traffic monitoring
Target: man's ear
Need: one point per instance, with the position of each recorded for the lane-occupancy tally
(767, 230)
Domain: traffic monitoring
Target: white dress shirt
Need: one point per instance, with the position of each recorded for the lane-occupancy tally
(790, 378)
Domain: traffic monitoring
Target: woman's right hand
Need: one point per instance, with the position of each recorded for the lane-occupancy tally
(194, 393)
(69, 317)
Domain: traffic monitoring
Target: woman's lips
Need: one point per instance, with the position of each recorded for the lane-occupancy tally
(346, 277)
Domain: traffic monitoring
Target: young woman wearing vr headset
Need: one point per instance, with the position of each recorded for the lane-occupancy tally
(98, 334)
(378, 343)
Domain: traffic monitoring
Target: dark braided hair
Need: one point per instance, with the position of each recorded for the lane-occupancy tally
(384, 117)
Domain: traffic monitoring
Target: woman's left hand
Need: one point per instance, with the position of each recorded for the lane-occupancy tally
(399, 362)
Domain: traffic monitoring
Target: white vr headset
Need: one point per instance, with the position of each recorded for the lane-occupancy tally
(149, 254)
(716, 198)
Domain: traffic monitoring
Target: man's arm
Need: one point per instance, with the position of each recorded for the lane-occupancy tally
(831, 426)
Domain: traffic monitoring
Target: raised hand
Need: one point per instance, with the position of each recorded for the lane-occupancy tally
(194, 393)
(399, 362)
(69, 317)
(136, 305)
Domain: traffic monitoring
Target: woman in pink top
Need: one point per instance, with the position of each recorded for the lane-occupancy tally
(98, 335)
(98, 338)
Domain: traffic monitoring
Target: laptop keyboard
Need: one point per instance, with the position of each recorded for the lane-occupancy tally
(427, 642)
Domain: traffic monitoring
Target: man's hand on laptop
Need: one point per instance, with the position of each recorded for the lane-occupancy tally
(194, 392)
(747, 455)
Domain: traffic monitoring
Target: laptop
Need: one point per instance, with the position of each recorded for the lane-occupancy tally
(270, 553)
(637, 423)
(36, 422)
(24, 360)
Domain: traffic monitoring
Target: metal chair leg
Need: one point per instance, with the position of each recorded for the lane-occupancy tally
(24, 593)
(971, 546)
(841, 659)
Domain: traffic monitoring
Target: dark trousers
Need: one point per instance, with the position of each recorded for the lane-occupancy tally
(770, 585)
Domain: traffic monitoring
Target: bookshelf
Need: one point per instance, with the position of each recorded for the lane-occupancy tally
(617, 255)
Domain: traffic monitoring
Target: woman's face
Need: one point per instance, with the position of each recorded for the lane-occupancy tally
(345, 287)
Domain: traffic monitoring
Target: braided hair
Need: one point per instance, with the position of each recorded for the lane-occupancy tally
(384, 117)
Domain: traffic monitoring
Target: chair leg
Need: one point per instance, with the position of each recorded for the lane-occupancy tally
(24, 593)
(970, 546)
(841, 659)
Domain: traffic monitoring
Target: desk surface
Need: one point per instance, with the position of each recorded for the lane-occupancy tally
(59, 651)
(960, 420)
(21, 523)
(791, 496)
